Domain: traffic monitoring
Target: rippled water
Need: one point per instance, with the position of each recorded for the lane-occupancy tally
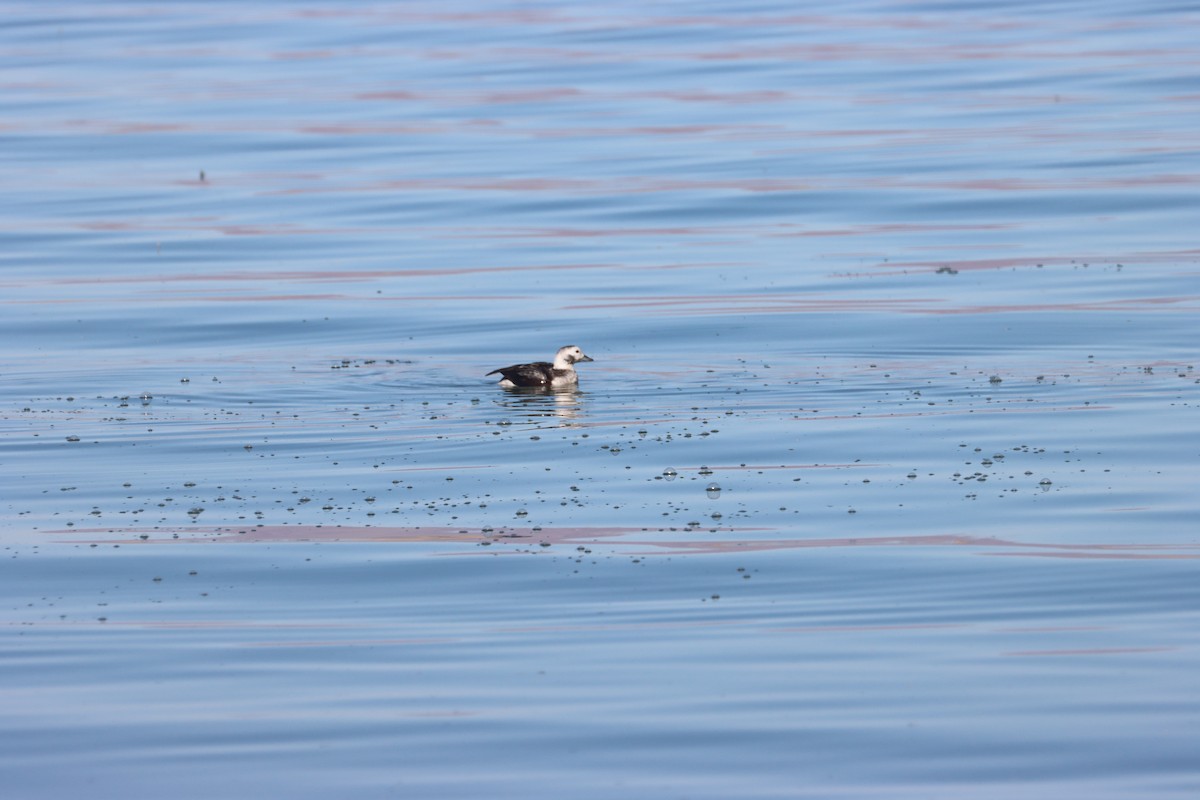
(882, 483)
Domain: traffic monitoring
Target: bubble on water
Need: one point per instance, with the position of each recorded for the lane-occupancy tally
(669, 474)
(705, 471)
(713, 490)
(522, 512)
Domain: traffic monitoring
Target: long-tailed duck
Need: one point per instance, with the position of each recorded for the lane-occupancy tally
(543, 373)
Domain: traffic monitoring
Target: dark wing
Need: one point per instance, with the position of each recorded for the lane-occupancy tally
(535, 374)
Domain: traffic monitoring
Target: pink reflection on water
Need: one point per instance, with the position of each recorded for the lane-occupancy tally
(320, 276)
(757, 304)
(699, 541)
(1092, 651)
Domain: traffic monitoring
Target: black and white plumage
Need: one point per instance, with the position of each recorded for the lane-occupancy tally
(543, 373)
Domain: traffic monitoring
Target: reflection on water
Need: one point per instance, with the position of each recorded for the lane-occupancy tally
(538, 402)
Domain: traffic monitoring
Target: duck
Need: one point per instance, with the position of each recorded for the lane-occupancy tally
(544, 374)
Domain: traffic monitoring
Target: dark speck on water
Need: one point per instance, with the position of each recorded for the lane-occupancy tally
(893, 316)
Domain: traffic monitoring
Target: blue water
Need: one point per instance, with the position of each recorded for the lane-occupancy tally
(882, 483)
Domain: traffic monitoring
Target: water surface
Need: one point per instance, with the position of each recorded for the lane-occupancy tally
(882, 483)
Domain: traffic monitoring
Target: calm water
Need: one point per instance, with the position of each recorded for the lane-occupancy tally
(882, 484)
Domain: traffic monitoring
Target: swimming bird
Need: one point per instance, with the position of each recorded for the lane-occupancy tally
(542, 373)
